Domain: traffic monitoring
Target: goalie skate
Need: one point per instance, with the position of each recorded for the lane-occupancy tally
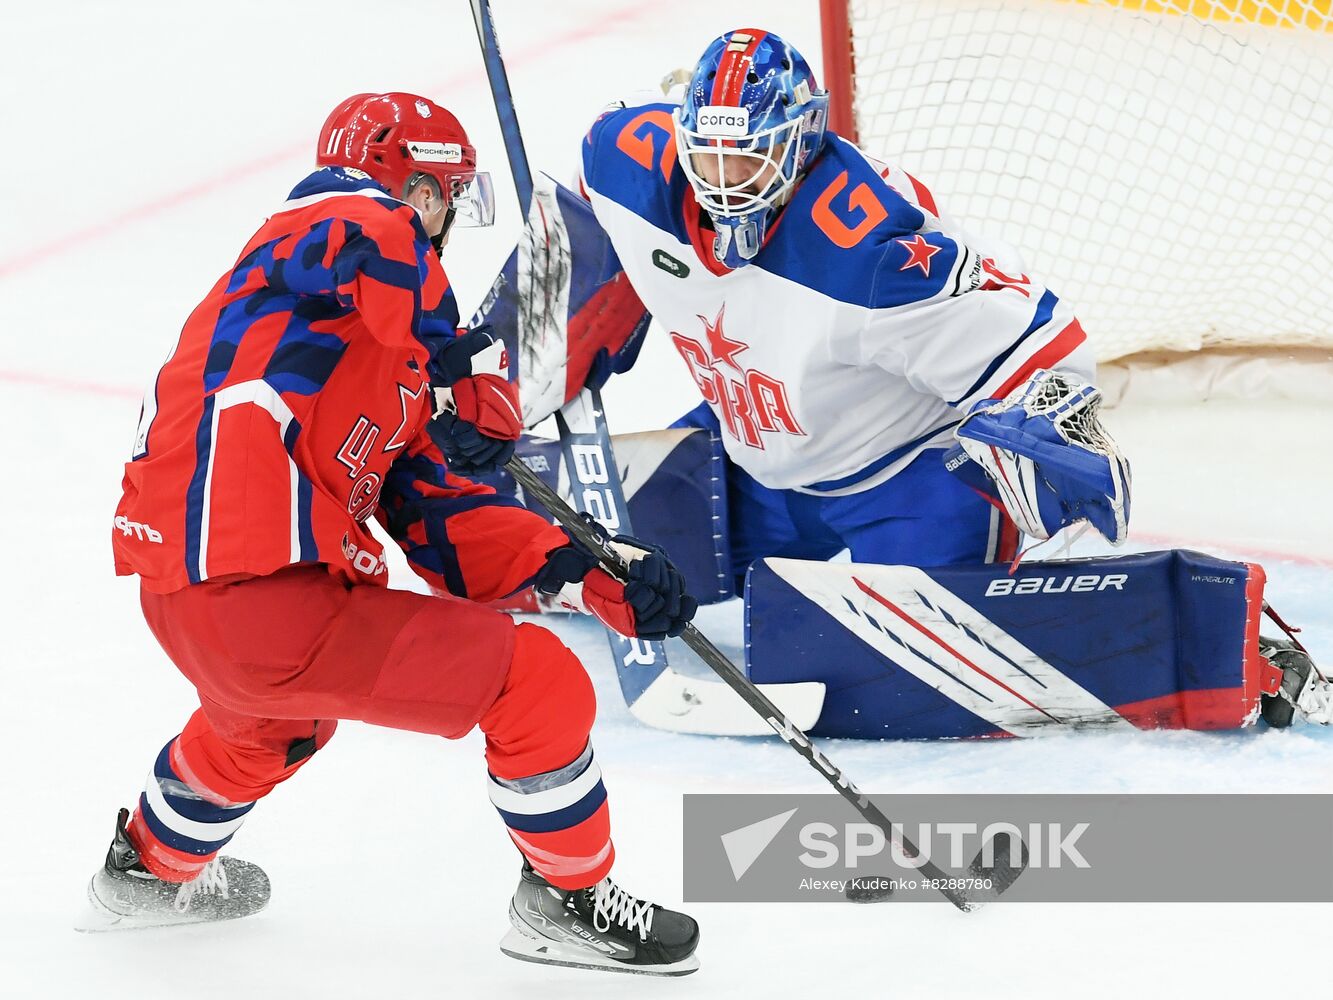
(602, 928)
(1304, 689)
(123, 895)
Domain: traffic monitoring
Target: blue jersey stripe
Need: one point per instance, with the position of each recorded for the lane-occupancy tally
(304, 526)
(1045, 309)
(194, 494)
(880, 464)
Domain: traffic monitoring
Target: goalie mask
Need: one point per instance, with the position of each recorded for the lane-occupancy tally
(752, 120)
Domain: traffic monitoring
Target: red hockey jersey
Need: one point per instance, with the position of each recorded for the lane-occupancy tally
(294, 408)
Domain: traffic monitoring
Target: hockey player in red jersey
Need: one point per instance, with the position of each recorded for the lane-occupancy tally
(323, 382)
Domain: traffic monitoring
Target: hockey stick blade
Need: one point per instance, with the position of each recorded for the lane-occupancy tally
(748, 692)
(708, 708)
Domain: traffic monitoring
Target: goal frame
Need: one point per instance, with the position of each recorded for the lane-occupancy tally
(839, 67)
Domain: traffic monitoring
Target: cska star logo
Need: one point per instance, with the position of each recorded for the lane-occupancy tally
(919, 253)
(719, 346)
(752, 403)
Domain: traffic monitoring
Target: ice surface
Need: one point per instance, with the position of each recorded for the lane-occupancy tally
(144, 143)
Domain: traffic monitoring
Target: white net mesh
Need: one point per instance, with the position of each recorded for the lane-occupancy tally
(1163, 164)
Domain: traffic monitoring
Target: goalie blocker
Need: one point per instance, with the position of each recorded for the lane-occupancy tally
(1157, 640)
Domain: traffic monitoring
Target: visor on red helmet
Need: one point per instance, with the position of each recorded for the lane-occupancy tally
(393, 137)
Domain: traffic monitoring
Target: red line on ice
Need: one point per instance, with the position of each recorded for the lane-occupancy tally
(62, 384)
(170, 200)
(1248, 551)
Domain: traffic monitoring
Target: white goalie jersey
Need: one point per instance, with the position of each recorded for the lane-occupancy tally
(862, 332)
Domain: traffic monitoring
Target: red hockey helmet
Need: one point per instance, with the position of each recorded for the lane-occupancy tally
(393, 136)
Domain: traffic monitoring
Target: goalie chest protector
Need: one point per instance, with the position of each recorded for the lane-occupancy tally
(1158, 640)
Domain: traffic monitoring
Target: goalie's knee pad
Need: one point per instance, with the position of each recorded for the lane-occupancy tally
(545, 710)
(1153, 640)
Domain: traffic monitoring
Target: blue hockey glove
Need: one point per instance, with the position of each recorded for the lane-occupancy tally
(1048, 459)
(467, 450)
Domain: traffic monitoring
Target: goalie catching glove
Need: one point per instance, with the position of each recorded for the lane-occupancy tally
(1047, 459)
(477, 417)
(651, 604)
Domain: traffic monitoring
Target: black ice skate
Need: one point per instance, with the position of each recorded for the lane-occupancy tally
(1303, 688)
(603, 927)
(124, 895)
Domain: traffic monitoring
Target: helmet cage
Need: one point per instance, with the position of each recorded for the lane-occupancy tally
(778, 148)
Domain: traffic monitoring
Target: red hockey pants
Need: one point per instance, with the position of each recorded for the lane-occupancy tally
(278, 659)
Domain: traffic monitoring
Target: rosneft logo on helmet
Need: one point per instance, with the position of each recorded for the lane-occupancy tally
(732, 123)
(435, 152)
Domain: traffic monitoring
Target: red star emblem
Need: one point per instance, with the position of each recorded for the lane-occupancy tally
(719, 346)
(919, 253)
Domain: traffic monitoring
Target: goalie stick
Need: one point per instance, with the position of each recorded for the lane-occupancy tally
(1001, 875)
(656, 694)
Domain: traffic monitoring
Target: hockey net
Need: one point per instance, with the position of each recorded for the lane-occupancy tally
(1165, 164)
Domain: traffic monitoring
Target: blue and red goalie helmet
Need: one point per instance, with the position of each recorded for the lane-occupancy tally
(752, 120)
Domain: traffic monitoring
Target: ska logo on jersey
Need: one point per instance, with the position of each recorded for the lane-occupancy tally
(751, 402)
(919, 253)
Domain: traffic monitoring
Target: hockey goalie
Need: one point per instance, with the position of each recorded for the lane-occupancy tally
(888, 384)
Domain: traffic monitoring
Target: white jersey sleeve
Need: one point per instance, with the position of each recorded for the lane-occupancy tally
(972, 336)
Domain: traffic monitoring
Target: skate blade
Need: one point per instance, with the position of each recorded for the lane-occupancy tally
(97, 918)
(518, 945)
(92, 920)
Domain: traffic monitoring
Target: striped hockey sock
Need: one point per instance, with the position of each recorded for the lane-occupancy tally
(179, 827)
(560, 821)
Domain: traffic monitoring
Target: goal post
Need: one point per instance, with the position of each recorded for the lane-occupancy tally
(1167, 165)
(839, 66)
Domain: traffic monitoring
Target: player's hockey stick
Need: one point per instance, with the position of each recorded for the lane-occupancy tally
(593, 476)
(1000, 876)
(504, 102)
(656, 694)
